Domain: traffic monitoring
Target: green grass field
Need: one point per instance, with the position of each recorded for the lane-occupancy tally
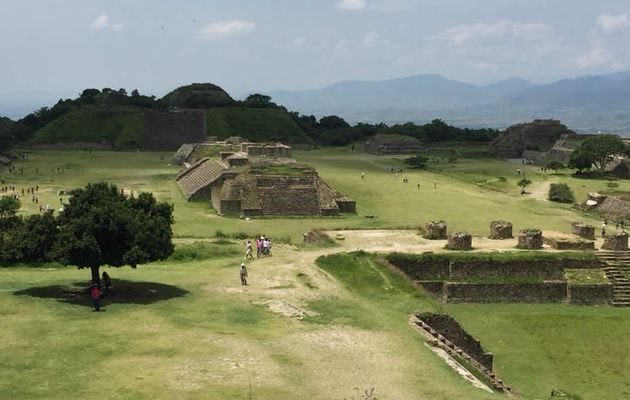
(185, 328)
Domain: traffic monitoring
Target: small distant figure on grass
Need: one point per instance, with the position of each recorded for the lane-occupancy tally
(259, 247)
(604, 226)
(362, 175)
(243, 273)
(434, 185)
(95, 293)
(248, 250)
(418, 186)
(107, 281)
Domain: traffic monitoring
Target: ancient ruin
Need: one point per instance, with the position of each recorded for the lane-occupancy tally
(530, 239)
(500, 230)
(609, 206)
(435, 230)
(459, 241)
(393, 144)
(617, 241)
(583, 230)
(168, 130)
(259, 180)
(538, 136)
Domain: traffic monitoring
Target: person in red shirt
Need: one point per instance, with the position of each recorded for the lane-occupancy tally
(95, 293)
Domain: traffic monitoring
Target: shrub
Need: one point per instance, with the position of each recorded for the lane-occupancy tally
(561, 193)
(416, 162)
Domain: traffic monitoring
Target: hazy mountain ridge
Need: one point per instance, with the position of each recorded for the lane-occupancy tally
(586, 104)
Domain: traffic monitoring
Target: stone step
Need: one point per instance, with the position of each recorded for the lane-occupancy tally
(620, 303)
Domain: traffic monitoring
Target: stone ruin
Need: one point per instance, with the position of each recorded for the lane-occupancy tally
(530, 239)
(459, 241)
(393, 144)
(262, 185)
(315, 236)
(611, 207)
(617, 241)
(500, 230)
(192, 152)
(435, 230)
(168, 130)
(539, 135)
(583, 230)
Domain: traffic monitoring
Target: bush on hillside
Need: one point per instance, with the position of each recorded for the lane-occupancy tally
(561, 193)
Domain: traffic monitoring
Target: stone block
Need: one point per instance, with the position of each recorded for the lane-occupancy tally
(435, 230)
(530, 239)
(617, 241)
(500, 230)
(583, 230)
(459, 241)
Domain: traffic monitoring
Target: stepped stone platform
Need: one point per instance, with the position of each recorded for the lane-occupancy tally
(394, 144)
(256, 183)
(617, 270)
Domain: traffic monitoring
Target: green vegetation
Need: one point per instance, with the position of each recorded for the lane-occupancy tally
(201, 332)
(256, 124)
(585, 277)
(198, 95)
(286, 170)
(598, 150)
(536, 347)
(417, 162)
(121, 127)
(499, 256)
(561, 193)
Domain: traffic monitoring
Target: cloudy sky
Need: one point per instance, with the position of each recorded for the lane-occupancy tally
(247, 45)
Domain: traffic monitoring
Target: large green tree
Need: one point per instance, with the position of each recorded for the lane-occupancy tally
(101, 226)
(600, 150)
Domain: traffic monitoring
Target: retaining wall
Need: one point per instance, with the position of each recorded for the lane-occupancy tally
(590, 294)
(545, 292)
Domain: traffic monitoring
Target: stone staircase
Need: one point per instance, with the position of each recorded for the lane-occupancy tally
(617, 264)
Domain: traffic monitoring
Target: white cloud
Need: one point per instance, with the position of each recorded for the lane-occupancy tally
(101, 22)
(352, 4)
(370, 38)
(505, 29)
(596, 56)
(224, 29)
(609, 23)
(486, 67)
(117, 27)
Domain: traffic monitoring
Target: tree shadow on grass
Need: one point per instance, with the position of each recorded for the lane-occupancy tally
(122, 292)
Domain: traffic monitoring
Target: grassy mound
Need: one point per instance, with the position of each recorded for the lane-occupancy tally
(256, 124)
(119, 126)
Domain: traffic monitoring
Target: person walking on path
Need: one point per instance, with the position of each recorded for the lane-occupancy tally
(604, 229)
(107, 281)
(95, 293)
(258, 247)
(248, 250)
(243, 273)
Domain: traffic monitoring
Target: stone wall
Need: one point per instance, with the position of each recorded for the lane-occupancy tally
(500, 230)
(267, 150)
(347, 205)
(453, 331)
(617, 241)
(435, 230)
(459, 241)
(542, 292)
(530, 239)
(165, 130)
(434, 288)
(420, 270)
(613, 207)
(583, 230)
(569, 244)
(590, 294)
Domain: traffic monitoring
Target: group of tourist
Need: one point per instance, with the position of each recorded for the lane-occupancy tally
(263, 248)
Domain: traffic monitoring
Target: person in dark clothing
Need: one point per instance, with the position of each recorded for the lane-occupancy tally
(107, 281)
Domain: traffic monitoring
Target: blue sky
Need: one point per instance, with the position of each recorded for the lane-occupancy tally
(248, 45)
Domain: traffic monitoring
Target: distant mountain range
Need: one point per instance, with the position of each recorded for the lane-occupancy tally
(585, 104)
